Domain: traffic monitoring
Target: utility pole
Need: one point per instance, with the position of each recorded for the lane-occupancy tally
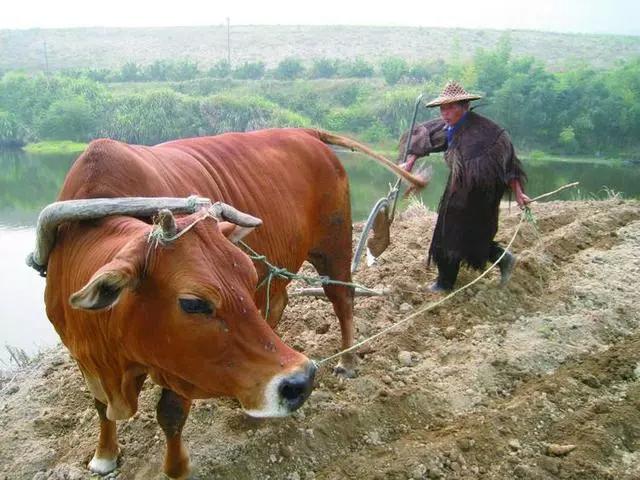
(229, 41)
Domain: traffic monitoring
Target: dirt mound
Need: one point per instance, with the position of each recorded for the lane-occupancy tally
(479, 388)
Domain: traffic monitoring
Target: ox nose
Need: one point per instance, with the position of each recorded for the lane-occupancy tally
(295, 388)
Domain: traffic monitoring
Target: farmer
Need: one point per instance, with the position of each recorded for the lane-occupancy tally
(482, 164)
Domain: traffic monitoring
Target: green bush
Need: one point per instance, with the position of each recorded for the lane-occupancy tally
(421, 72)
(375, 133)
(347, 93)
(537, 155)
(130, 72)
(183, 70)
(249, 71)
(393, 69)
(394, 109)
(100, 74)
(300, 96)
(357, 68)
(12, 133)
(289, 69)
(153, 117)
(157, 71)
(354, 119)
(323, 68)
(68, 119)
(220, 69)
(230, 113)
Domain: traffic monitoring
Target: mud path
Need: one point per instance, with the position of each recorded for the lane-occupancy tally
(477, 389)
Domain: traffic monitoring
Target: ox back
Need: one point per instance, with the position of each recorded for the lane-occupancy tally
(287, 177)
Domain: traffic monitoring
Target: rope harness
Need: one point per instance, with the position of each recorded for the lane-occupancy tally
(284, 274)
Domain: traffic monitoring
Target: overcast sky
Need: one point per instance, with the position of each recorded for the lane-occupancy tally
(589, 16)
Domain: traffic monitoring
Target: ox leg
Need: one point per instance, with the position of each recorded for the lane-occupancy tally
(172, 412)
(105, 459)
(337, 267)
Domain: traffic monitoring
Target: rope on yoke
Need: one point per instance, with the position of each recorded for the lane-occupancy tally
(526, 215)
(284, 274)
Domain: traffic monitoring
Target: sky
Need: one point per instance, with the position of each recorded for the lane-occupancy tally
(575, 16)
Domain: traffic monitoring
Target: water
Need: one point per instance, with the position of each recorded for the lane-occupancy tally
(29, 182)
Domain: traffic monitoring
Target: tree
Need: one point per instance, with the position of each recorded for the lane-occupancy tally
(68, 119)
(12, 133)
(357, 68)
(220, 69)
(289, 69)
(249, 71)
(323, 68)
(158, 70)
(492, 67)
(393, 69)
(183, 70)
(130, 72)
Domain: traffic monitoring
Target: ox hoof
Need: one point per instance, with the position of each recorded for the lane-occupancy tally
(103, 466)
(344, 371)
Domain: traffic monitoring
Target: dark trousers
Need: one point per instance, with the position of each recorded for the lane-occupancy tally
(448, 268)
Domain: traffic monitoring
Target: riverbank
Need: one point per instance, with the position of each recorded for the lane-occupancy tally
(54, 147)
(477, 389)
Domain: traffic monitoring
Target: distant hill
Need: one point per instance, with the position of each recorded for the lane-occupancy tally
(112, 47)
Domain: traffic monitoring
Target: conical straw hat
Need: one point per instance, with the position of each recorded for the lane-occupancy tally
(452, 92)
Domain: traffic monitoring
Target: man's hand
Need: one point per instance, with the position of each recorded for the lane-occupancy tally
(408, 165)
(522, 199)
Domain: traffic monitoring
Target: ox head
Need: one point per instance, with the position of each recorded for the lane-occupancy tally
(180, 303)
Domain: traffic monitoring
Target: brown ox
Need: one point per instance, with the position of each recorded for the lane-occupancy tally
(185, 311)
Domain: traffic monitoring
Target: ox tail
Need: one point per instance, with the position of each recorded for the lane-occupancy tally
(333, 139)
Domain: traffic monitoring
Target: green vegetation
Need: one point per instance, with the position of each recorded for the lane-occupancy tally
(577, 112)
(58, 147)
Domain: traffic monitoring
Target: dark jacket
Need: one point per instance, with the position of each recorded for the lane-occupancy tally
(482, 162)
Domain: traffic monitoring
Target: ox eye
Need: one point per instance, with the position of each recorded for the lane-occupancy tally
(195, 305)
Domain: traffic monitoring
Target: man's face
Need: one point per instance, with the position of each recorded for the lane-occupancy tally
(452, 112)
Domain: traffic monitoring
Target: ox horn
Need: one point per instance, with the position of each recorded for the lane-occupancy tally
(57, 213)
(226, 212)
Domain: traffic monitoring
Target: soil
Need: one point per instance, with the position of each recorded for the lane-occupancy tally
(486, 386)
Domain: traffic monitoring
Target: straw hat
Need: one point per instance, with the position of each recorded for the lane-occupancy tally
(452, 92)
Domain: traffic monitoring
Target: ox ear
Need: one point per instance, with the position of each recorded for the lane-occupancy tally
(234, 232)
(105, 287)
(102, 291)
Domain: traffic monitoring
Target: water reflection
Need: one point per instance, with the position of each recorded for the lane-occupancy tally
(29, 182)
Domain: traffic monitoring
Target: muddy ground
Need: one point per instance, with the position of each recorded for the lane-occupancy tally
(477, 389)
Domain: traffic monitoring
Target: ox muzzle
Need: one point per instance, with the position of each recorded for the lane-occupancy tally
(285, 393)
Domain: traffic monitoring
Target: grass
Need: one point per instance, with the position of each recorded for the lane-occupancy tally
(604, 193)
(541, 157)
(58, 147)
